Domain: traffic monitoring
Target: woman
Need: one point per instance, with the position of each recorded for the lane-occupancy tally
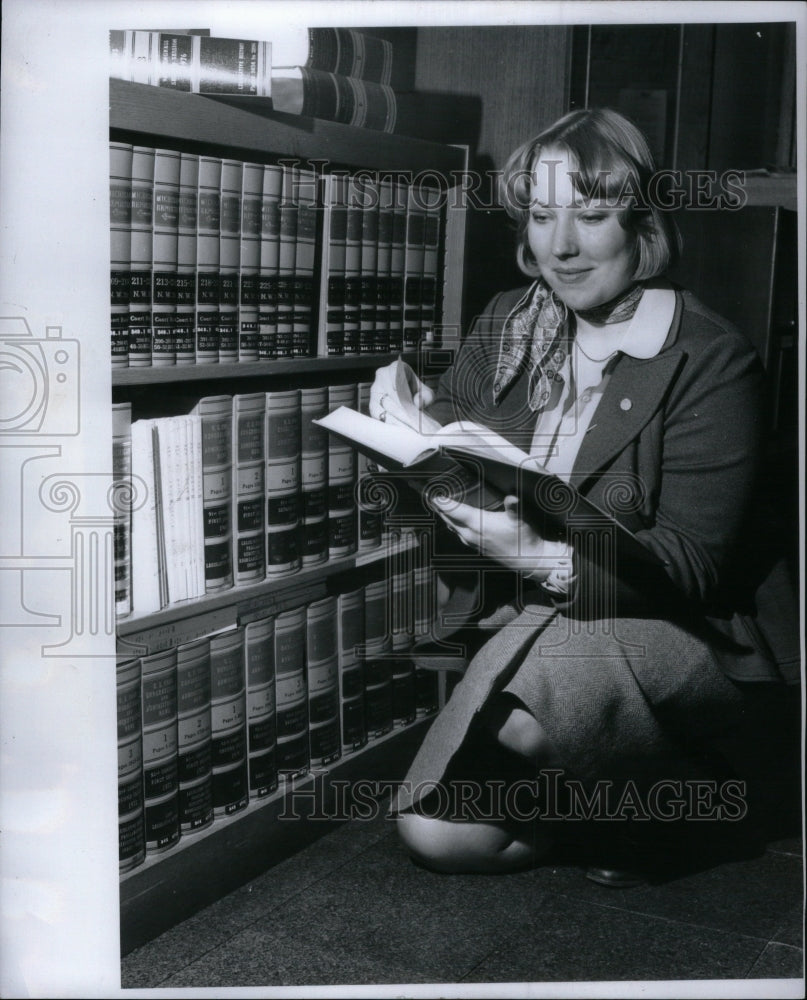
(596, 668)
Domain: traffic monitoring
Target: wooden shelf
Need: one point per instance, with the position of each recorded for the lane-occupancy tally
(162, 117)
(185, 621)
(204, 866)
(252, 369)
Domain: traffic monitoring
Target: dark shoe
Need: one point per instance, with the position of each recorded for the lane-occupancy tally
(615, 878)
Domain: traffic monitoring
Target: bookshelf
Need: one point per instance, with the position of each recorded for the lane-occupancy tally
(202, 866)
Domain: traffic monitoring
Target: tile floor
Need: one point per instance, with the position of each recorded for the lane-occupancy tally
(352, 909)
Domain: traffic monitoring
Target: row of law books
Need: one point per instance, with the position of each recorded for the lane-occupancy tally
(240, 489)
(208, 726)
(216, 260)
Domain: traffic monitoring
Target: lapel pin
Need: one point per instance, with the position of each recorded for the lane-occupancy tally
(625, 404)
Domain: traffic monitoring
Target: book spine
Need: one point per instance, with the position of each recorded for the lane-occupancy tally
(400, 587)
(282, 478)
(377, 660)
(415, 233)
(261, 710)
(373, 105)
(131, 823)
(287, 253)
(160, 776)
(217, 418)
(384, 265)
(120, 221)
(350, 623)
(353, 231)
(142, 56)
(175, 61)
(165, 216)
(229, 258)
(342, 513)
(305, 196)
(249, 459)
(330, 341)
(395, 288)
(208, 232)
(122, 526)
(322, 681)
(372, 57)
(228, 722)
(140, 257)
(270, 261)
(196, 490)
(430, 285)
(290, 693)
(369, 500)
(313, 477)
(195, 728)
(250, 261)
(185, 322)
(145, 557)
(172, 460)
(234, 66)
(368, 338)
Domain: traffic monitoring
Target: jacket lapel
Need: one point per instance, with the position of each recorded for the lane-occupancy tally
(634, 393)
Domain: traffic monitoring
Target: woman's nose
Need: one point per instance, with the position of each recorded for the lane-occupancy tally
(564, 243)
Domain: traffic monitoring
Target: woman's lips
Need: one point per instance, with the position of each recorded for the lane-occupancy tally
(572, 277)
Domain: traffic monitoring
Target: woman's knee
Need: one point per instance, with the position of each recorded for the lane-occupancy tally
(450, 847)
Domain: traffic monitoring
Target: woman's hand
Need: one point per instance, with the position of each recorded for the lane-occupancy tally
(398, 396)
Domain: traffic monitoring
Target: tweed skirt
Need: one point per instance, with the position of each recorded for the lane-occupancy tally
(626, 698)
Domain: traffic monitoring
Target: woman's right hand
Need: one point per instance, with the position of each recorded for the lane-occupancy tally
(398, 396)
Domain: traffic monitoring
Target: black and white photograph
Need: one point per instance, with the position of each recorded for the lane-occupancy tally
(402, 566)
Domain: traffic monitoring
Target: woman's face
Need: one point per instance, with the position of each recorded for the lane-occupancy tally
(582, 250)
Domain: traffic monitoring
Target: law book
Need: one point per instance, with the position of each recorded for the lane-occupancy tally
(334, 50)
(165, 234)
(330, 334)
(160, 774)
(395, 287)
(176, 491)
(401, 616)
(208, 234)
(145, 555)
(195, 505)
(269, 261)
(131, 822)
(287, 255)
(122, 497)
(370, 500)
(305, 196)
(335, 97)
(120, 218)
(282, 482)
(433, 200)
(217, 419)
(353, 233)
(248, 490)
(313, 477)
(228, 722)
(185, 319)
(386, 218)
(322, 682)
(476, 466)
(342, 473)
(413, 266)
(368, 340)
(350, 638)
(290, 693)
(229, 258)
(249, 261)
(198, 64)
(194, 736)
(259, 637)
(377, 660)
(140, 257)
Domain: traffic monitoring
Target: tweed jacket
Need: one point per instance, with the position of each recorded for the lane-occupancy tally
(673, 453)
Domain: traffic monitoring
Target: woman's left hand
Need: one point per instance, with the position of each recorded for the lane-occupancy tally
(500, 535)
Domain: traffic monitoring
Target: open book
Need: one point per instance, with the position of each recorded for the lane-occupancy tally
(472, 464)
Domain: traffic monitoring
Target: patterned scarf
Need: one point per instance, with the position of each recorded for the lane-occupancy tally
(538, 326)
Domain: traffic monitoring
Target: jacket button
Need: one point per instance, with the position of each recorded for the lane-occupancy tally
(625, 404)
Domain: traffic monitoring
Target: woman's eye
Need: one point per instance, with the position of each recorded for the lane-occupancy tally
(591, 217)
(539, 217)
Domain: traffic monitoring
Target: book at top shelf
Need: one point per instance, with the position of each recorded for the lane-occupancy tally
(269, 261)
(334, 97)
(331, 336)
(165, 236)
(208, 250)
(200, 64)
(334, 50)
(185, 317)
(250, 261)
(305, 252)
(369, 336)
(229, 259)
(141, 255)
